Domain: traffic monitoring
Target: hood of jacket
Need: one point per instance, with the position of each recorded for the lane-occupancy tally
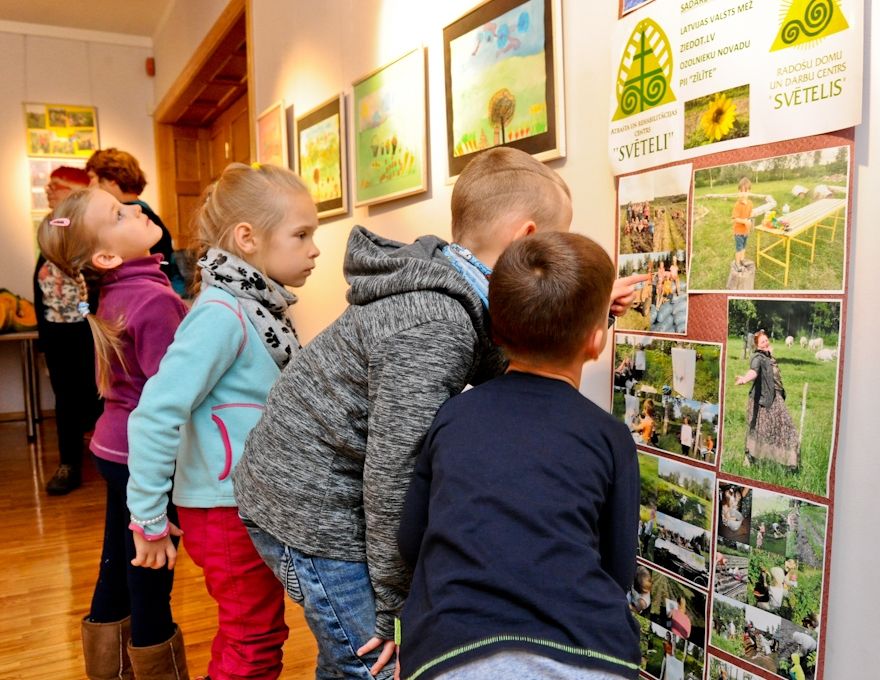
(376, 267)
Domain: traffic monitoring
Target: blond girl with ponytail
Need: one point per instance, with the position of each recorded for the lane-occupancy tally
(256, 227)
(129, 627)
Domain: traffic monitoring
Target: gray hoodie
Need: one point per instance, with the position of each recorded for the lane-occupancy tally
(326, 469)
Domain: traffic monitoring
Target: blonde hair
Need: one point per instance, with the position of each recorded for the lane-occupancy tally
(70, 248)
(255, 194)
(745, 184)
(506, 181)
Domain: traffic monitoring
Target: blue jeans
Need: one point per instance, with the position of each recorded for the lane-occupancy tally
(337, 599)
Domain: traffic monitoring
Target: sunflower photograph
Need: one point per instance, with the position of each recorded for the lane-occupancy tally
(717, 117)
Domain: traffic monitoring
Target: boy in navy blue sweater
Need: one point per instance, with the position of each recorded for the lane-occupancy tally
(521, 520)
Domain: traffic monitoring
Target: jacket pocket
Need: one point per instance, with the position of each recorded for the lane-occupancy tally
(234, 422)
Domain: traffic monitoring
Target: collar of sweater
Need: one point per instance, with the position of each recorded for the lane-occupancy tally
(142, 267)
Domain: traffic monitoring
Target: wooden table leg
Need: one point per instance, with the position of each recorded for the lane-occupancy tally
(787, 260)
(27, 390)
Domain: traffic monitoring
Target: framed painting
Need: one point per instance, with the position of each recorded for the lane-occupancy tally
(390, 131)
(272, 136)
(503, 63)
(321, 157)
(61, 130)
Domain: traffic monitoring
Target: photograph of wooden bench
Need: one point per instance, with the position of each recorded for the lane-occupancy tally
(803, 226)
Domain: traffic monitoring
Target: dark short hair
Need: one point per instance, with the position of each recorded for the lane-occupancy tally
(547, 291)
(118, 166)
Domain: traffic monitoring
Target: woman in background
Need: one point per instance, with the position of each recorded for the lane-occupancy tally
(66, 343)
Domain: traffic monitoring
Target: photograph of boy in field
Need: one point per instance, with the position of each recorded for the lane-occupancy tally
(780, 396)
(793, 236)
(652, 220)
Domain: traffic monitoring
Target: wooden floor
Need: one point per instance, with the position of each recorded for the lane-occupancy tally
(49, 557)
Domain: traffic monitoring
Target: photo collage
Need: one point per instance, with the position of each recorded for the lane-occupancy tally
(735, 424)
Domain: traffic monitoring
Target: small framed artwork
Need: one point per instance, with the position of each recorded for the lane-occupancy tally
(61, 130)
(321, 157)
(503, 62)
(390, 131)
(272, 136)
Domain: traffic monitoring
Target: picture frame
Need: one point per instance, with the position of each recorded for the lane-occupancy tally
(506, 54)
(61, 130)
(389, 130)
(321, 155)
(272, 136)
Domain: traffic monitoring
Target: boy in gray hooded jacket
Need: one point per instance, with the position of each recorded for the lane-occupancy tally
(325, 471)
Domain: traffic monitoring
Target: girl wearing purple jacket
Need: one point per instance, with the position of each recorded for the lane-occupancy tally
(129, 628)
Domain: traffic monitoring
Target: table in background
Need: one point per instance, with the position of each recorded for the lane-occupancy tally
(30, 381)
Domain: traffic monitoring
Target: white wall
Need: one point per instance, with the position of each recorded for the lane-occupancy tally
(180, 31)
(103, 70)
(852, 624)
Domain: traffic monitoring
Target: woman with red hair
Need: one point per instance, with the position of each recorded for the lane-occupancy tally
(772, 434)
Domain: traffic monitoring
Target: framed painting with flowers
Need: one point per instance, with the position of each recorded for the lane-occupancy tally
(321, 157)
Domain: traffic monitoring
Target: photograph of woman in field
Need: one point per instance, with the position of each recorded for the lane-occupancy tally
(673, 626)
(780, 396)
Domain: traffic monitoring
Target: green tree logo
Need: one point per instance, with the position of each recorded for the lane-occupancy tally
(645, 73)
(808, 20)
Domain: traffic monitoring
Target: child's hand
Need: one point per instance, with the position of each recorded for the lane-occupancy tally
(388, 649)
(156, 554)
(624, 291)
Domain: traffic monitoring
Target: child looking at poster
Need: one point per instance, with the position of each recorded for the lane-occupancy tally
(503, 589)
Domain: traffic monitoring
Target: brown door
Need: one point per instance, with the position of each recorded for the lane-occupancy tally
(203, 122)
(229, 138)
(186, 153)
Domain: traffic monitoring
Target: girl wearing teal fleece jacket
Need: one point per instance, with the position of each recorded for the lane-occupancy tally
(196, 412)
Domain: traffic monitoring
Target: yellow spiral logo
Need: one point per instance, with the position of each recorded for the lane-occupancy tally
(808, 20)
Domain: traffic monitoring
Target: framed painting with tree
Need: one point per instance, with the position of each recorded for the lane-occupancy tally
(503, 63)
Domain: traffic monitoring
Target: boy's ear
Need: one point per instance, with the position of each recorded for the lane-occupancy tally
(525, 229)
(245, 238)
(595, 342)
(105, 260)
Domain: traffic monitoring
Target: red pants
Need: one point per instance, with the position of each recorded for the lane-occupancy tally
(250, 600)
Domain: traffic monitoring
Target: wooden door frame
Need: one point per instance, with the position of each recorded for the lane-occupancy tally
(167, 110)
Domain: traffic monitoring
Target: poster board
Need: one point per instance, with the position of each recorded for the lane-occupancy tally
(732, 152)
(762, 560)
(696, 77)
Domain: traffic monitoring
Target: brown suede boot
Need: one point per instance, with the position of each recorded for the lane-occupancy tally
(105, 649)
(165, 661)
